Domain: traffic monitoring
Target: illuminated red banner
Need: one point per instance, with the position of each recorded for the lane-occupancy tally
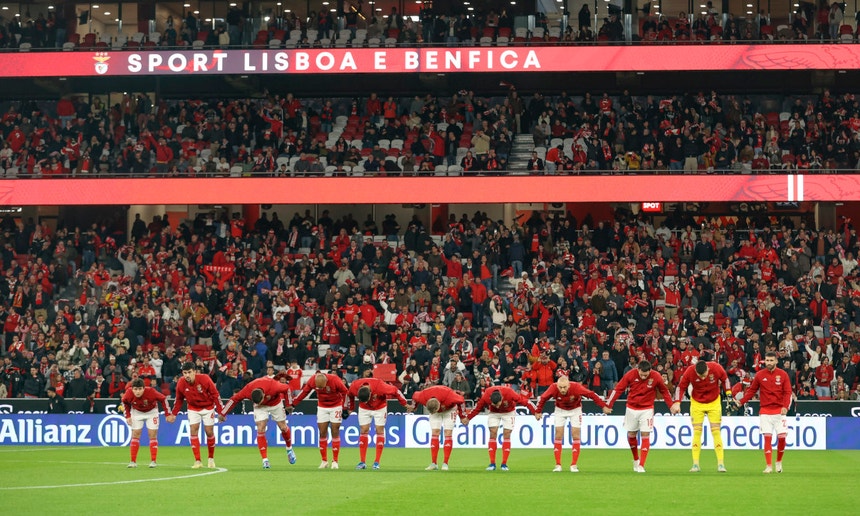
(438, 60)
(378, 190)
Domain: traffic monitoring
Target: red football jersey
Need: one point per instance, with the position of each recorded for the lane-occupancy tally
(641, 393)
(149, 400)
(273, 393)
(707, 389)
(201, 395)
(448, 399)
(774, 391)
(331, 396)
(380, 393)
(510, 400)
(571, 400)
(295, 376)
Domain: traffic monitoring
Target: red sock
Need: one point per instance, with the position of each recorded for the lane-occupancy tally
(556, 449)
(643, 452)
(153, 449)
(380, 445)
(447, 447)
(287, 434)
(434, 449)
(195, 447)
(210, 444)
(506, 450)
(362, 447)
(575, 455)
(262, 444)
(768, 449)
(135, 445)
(492, 447)
(335, 448)
(634, 446)
(324, 448)
(780, 447)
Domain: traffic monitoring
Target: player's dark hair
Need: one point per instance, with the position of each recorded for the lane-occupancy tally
(644, 366)
(189, 366)
(257, 396)
(701, 367)
(364, 393)
(137, 382)
(770, 354)
(495, 397)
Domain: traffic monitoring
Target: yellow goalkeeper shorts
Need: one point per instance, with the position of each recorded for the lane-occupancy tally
(714, 411)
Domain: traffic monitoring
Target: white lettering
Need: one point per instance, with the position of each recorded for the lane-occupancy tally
(302, 61)
(452, 60)
(379, 60)
(248, 66)
(199, 61)
(508, 59)
(348, 62)
(265, 66)
(325, 61)
(531, 60)
(430, 60)
(282, 61)
(219, 58)
(474, 58)
(489, 59)
(154, 60)
(410, 60)
(134, 63)
(177, 62)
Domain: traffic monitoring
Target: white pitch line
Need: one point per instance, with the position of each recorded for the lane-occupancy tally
(117, 482)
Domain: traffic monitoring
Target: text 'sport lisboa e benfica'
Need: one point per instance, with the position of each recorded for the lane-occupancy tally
(438, 60)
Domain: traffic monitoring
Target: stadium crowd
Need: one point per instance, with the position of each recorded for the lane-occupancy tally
(83, 310)
(825, 22)
(281, 135)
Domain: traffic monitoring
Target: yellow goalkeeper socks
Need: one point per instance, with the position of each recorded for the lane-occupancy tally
(697, 443)
(718, 442)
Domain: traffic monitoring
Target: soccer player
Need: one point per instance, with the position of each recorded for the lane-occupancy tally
(774, 392)
(502, 403)
(141, 407)
(268, 396)
(568, 407)
(440, 402)
(707, 378)
(373, 395)
(199, 391)
(643, 384)
(331, 398)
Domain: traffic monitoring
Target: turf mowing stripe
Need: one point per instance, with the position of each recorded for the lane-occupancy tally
(117, 482)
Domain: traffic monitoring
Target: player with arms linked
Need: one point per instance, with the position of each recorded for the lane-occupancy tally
(331, 398)
(642, 384)
(568, 408)
(201, 395)
(269, 396)
(502, 402)
(373, 395)
(440, 401)
(774, 392)
(141, 407)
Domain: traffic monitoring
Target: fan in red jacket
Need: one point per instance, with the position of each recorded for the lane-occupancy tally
(440, 402)
(268, 396)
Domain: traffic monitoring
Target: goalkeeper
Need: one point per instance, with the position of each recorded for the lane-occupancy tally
(707, 380)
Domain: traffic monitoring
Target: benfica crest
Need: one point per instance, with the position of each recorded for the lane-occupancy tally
(101, 62)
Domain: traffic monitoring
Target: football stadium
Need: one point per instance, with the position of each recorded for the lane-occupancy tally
(462, 255)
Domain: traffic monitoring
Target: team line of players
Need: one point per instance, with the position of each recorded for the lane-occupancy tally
(272, 398)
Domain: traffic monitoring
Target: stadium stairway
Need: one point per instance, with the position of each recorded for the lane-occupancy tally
(521, 152)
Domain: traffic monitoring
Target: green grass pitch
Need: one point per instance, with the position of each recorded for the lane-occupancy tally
(78, 480)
